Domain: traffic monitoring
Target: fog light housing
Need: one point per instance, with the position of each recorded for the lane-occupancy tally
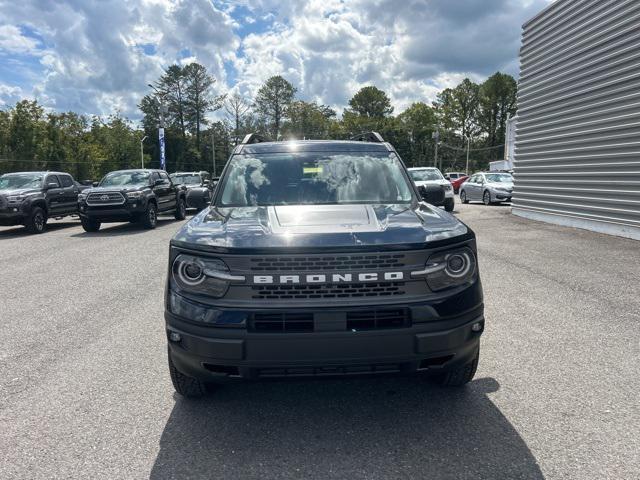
(174, 336)
(477, 327)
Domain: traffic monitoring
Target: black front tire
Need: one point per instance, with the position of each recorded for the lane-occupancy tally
(37, 221)
(90, 225)
(463, 197)
(449, 204)
(181, 209)
(461, 375)
(186, 386)
(150, 217)
(486, 197)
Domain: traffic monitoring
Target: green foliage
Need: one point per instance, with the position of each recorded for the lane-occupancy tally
(371, 102)
(273, 100)
(308, 120)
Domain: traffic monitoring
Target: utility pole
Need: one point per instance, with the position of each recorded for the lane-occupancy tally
(436, 137)
(468, 144)
(142, 150)
(213, 153)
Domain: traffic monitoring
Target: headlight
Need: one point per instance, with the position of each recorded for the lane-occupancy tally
(203, 276)
(16, 198)
(448, 187)
(449, 269)
(134, 195)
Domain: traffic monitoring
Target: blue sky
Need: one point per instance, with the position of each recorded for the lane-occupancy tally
(97, 56)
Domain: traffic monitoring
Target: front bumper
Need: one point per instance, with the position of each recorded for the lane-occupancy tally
(118, 213)
(210, 353)
(502, 196)
(12, 216)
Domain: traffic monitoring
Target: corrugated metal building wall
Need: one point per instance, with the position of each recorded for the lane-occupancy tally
(577, 155)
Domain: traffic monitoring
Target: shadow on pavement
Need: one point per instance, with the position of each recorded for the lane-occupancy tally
(396, 427)
(21, 231)
(119, 229)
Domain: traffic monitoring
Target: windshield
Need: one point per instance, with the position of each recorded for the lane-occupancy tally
(185, 179)
(499, 178)
(425, 175)
(314, 178)
(116, 179)
(20, 180)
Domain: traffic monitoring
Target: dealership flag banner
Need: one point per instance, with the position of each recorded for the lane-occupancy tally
(161, 138)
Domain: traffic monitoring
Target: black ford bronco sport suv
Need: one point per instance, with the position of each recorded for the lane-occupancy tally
(131, 196)
(320, 258)
(31, 198)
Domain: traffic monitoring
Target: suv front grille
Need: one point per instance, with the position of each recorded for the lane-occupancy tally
(323, 263)
(3, 203)
(355, 320)
(313, 291)
(106, 198)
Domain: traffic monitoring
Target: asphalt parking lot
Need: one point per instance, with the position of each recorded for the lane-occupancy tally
(85, 392)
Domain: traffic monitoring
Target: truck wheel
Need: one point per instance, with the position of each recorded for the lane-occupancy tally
(184, 385)
(181, 209)
(37, 221)
(150, 217)
(486, 197)
(460, 375)
(90, 225)
(448, 204)
(463, 197)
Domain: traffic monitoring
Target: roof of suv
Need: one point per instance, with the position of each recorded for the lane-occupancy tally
(313, 146)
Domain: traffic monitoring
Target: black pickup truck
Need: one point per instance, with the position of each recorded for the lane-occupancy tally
(31, 198)
(320, 258)
(131, 196)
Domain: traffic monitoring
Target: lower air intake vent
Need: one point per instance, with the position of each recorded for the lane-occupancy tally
(356, 320)
(378, 319)
(282, 322)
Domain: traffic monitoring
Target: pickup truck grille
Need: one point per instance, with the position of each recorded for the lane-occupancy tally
(325, 263)
(3, 203)
(355, 320)
(313, 291)
(106, 198)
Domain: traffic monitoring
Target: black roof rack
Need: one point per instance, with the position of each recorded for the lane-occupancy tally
(368, 137)
(254, 138)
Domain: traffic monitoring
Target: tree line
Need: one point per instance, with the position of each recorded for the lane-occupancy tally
(182, 100)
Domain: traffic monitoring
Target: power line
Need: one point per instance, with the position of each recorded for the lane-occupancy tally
(472, 149)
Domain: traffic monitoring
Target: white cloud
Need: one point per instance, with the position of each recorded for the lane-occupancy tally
(97, 56)
(9, 94)
(13, 41)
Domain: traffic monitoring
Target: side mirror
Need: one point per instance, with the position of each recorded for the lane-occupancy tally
(206, 182)
(433, 194)
(52, 185)
(158, 182)
(95, 184)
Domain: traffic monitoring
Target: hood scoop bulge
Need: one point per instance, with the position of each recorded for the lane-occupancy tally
(323, 219)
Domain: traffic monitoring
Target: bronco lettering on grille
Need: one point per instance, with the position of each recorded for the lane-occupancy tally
(326, 278)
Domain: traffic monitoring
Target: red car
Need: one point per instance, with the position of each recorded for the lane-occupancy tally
(456, 180)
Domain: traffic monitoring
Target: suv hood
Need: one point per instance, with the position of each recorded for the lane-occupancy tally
(443, 181)
(121, 189)
(319, 226)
